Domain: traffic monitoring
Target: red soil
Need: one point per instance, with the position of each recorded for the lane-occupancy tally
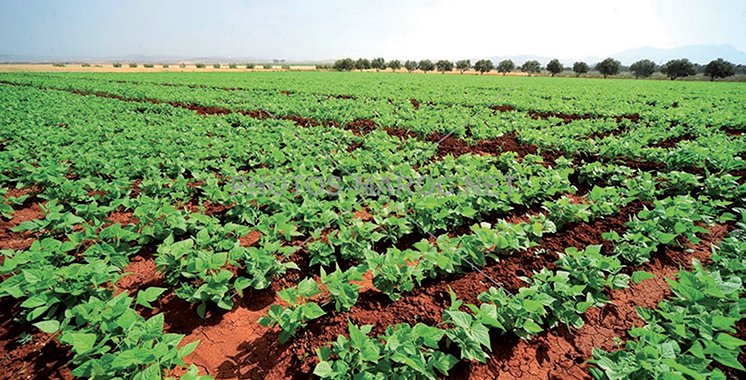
(135, 192)
(141, 273)
(257, 114)
(602, 135)
(18, 240)
(503, 108)
(363, 215)
(42, 357)
(250, 239)
(199, 109)
(732, 131)
(234, 345)
(567, 118)
(362, 126)
(400, 133)
(457, 147)
(670, 143)
(123, 218)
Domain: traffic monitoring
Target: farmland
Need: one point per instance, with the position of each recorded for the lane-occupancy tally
(380, 225)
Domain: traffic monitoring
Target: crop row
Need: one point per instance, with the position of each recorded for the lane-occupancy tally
(551, 297)
(633, 142)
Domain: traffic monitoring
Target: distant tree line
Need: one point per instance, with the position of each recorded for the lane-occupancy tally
(675, 68)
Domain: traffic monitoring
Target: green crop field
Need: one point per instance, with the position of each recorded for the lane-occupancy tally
(294, 225)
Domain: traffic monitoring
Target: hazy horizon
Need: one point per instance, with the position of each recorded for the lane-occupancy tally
(329, 29)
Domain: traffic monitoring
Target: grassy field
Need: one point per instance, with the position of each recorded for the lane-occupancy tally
(328, 225)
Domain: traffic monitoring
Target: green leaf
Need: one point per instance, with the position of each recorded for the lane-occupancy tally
(145, 297)
(81, 342)
(531, 327)
(188, 349)
(312, 310)
(532, 306)
(35, 301)
(537, 228)
(729, 342)
(460, 319)
(49, 327)
(124, 359)
(666, 238)
(728, 359)
(323, 370)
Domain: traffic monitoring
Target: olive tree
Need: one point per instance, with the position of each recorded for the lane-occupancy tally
(345, 64)
(678, 68)
(378, 63)
(463, 65)
(426, 65)
(505, 66)
(608, 66)
(484, 65)
(580, 68)
(531, 67)
(362, 64)
(555, 67)
(643, 68)
(410, 66)
(444, 65)
(394, 64)
(719, 68)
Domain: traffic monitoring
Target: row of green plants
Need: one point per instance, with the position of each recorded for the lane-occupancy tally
(706, 150)
(398, 271)
(550, 297)
(689, 335)
(68, 294)
(561, 296)
(610, 98)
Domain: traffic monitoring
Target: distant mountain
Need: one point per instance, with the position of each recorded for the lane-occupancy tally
(138, 58)
(695, 53)
(520, 59)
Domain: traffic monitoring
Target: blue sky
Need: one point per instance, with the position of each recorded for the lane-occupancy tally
(325, 29)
